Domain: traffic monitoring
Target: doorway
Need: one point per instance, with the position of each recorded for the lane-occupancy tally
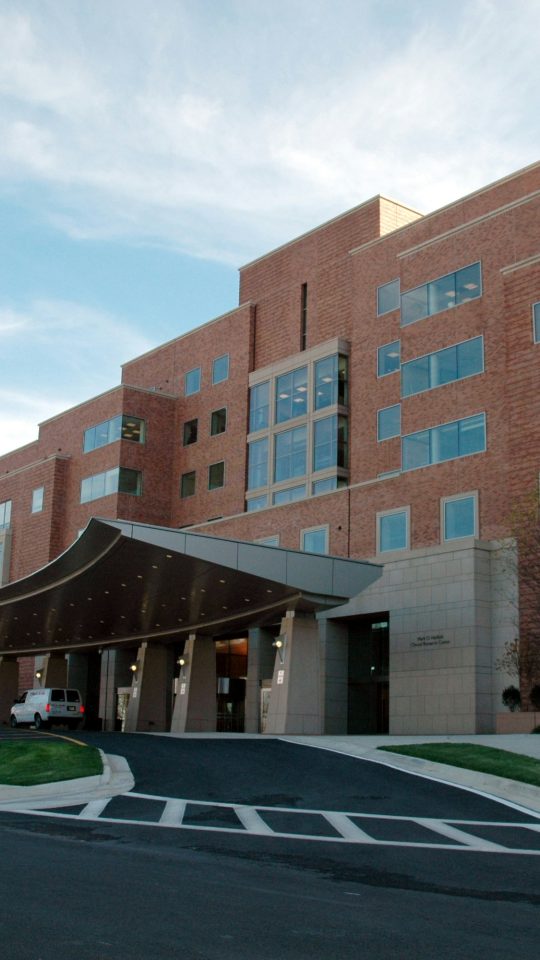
(231, 672)
(368, 692)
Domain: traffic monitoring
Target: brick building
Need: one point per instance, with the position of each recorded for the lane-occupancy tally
(374, 397)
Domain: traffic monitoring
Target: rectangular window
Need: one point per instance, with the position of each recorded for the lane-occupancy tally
(190, 432)
(291, 395)
(389, 422)
(444, 366)
(192, 381)
(216, 475)
(259, 406)
(331, 382)
(330, 442)
(218, 422)
(303, 318)
(536, 322)
(314, 540)
(393, 530)
(257, 503)
(387, 297)
(268, 541)
(289, 495)
(37, 499)
(388, 358)
(459, 517)
(220, 369)
(258, 463)
(117, 480)
(5, 514)
(187, 484)
(122, 427)
(446, 442)
(290, 454)
(327, 485)
(441, 294)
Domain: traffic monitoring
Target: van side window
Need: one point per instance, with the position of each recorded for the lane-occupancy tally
(57, 695)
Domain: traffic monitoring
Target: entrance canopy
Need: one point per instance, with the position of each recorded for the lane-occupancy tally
(124, 582)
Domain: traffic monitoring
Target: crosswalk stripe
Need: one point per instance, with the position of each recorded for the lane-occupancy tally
(460, 836)
(94, 808)
(252, 821)
(173, 813)
(346, 828)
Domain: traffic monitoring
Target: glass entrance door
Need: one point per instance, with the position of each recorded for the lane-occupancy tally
(231, 670)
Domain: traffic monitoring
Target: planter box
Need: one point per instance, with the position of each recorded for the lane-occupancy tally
(518, 722)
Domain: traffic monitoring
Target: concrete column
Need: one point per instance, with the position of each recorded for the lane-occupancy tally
(9, 686)
(83, 674)
(195, 709)
(115, 673)
(54, 671)
(334, 660)
(261, 657)
(295, 701)
(149, 705)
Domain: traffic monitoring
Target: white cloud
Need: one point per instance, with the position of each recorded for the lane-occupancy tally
(222, 129)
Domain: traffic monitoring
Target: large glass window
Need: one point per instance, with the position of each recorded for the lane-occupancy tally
(330, 442)
(327, 484)
(216, 475)
(291, 395)
(117, 480)
(257, 503)
(438, 295)
(218, 422)
(220, 368)
(289, 495)
(191, 428)
(258, 463)
(314, 540)
(37, 499)
(389, 422)
(192, 381)
(259, 406)
(187, 484)
(459, 517)
(536, 322)
(331, 382)
(5, 514)
(446, 442)
(388, 358)
(122, 427)
(444, 366)
(392, 532)
(387, 297)
(290, 454)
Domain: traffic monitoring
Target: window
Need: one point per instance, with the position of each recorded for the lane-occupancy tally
(218, 422)
(330, 442)
(257, 503)
(446, 442)
(122, 427)
(5, 514)
(314, 540)
(328, 484)
(536, 322)
(291, 395)
(289, 495)
(187, 484)
(388, 358)
(389, 422)
(216, 475)
(117, 480)
(192, 381)
(258, 463)
(438, 295)
(37, 499)
(387, 297)
(393, 530)
(303, 318)
(190, 431)
(220, 369)
(259, 406)
(459, 517)
(268, 541)
(331, 382)
(290, 454)
(444, 366)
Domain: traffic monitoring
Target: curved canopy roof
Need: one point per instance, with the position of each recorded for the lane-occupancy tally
(124, 582)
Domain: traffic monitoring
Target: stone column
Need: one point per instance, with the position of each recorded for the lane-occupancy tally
(334, 659)
(261, 657)
(195, 709)
(9, 686)
(149, 705)
(295, 701)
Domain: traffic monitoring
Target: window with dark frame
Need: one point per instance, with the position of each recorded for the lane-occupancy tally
(218, 422)
(216, 475)
(187, 484)
(190, 432)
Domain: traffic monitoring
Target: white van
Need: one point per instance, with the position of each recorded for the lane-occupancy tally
(47, 705)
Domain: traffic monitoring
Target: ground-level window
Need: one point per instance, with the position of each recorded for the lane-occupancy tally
(459, 516)
(314, 540)
(393, 530)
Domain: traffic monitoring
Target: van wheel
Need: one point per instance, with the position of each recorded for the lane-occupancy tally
(13, 721)
(39, 723)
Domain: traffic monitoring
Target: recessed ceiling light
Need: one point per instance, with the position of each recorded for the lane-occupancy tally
(223, 581)
(155, 566)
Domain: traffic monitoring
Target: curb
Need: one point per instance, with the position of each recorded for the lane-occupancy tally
(116, 778)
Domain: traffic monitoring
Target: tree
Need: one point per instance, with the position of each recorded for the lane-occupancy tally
(511, 698)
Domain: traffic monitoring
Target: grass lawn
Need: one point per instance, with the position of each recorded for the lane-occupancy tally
(26, 763)
(500, 763)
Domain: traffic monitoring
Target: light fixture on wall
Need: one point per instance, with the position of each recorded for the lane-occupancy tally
(279, 644)
(182, 661)
(134, 667)
(38, 675)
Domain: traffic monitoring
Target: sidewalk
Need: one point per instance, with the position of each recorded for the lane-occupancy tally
(116, 778)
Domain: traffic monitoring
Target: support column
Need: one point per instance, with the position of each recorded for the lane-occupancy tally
(195, 709)
(9, 686)
(83, 674)
(149, 705)
(115, 673)
(261, 657)
(54, 671)
(334, 649)
(295, 701)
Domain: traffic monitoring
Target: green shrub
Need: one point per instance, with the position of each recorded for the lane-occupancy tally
(511, 698)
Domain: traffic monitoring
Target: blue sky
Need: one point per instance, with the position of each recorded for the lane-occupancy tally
(147, 150)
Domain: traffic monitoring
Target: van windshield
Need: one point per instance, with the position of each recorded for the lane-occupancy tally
(72, 696)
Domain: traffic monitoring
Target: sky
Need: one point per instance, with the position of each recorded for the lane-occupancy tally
(148, 150)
